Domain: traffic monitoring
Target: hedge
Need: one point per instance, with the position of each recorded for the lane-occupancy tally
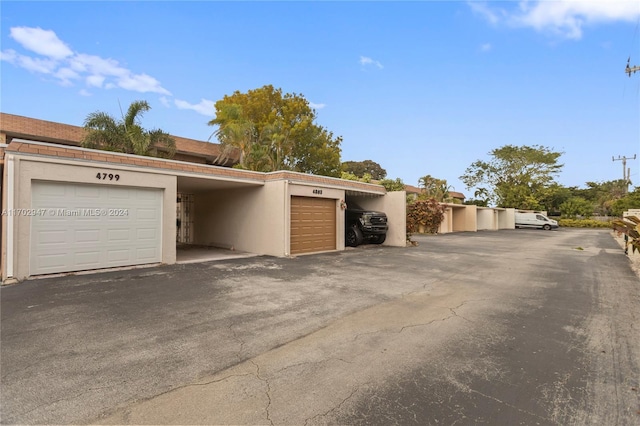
(584, 223)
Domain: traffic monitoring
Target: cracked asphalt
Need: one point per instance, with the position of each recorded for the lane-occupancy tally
(508, 327)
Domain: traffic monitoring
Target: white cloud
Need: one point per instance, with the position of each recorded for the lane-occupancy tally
(316, 106)
(95, 80)
(366, 61)
(8, 55)
(141, 83)
(205, 107)
(58, 60)
(38, 65)
(165, 102)
(42, 42)
(566, 18)
(97, 65)
(65, 75)
(481, 8)
(84, 92)
(486, 47)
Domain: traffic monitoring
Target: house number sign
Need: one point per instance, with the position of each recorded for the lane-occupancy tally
(108, 176)
(317, 191)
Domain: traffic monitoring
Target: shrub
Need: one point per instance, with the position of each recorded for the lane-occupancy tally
(584, 223)
(427, 213)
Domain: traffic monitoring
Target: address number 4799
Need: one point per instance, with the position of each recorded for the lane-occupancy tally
(107, 176)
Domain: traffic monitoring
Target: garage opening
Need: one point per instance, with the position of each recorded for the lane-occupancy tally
(313, 225)
(87, 227)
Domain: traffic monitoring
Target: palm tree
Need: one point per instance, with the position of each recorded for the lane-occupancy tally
(435, 188)
(235, 131)
(126, 135)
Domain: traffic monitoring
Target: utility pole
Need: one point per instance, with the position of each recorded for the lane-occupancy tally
(631, 69)
(626, 173)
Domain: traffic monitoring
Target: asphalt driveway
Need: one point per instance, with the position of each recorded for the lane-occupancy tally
(318, 339)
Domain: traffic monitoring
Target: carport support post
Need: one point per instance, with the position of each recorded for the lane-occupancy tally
(287, 219)
(10, 222)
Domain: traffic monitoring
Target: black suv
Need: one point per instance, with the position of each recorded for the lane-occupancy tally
(361, 225)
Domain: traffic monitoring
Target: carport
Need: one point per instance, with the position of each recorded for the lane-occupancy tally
(206, 227)
(315, 211)
(458, 218)
(166, 207)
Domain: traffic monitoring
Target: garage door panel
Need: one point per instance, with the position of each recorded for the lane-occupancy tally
(118, 255)
(87, 236)
(147, 234)
(88, 259)
(52, 260)
(146, 214)
(119, 195)
(118, 235)
(313, 225)
(85, 193)
(145, 254)
(51, 237)
(84, 239)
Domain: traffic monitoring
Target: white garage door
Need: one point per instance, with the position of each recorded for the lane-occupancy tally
(80, 227)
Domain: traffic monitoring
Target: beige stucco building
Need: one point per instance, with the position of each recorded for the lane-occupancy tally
(67, 209)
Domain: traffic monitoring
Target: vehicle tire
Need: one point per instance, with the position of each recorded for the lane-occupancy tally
(547, 227)
(354, 237)
(378, 239)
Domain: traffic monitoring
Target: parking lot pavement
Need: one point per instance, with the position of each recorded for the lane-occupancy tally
(312, 339)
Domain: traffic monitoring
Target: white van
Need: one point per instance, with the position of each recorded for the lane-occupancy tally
(534, 220)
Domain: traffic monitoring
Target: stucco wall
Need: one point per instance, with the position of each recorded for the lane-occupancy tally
(507, 219)
(486, 219)
(394, 204)
(446, 225)
(464, 217)
(25, 170)
(246, 219)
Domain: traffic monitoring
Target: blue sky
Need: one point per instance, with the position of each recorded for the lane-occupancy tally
(423, 88)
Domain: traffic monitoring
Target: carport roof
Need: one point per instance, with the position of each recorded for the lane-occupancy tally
(182, 168)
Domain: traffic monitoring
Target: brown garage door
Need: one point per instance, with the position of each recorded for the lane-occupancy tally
(313, 224)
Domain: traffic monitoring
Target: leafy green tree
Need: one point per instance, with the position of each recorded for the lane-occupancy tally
(553, 196)
(434, 188)
(127, 135)
(515, 176)
(576, 206)
(629, 201)
(603, 194)
(350, 176)
(360, 168)
(392, 184)
(275, 131)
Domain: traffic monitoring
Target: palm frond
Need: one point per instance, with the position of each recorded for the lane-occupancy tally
(162, 143)
(136, 111)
